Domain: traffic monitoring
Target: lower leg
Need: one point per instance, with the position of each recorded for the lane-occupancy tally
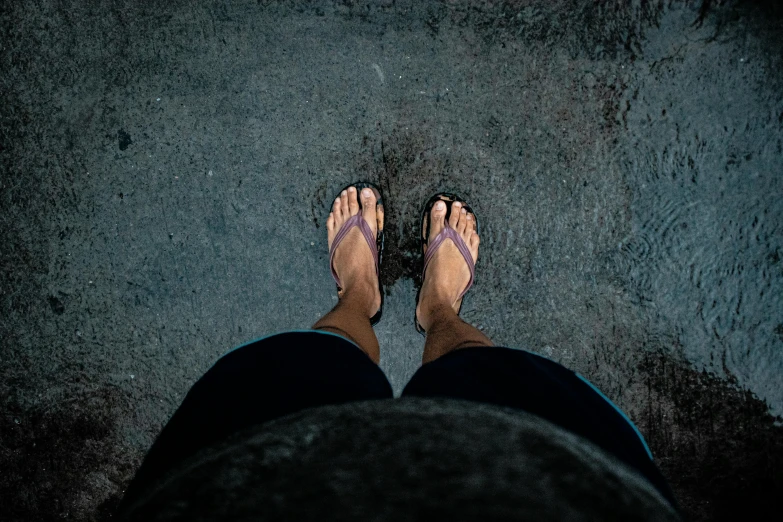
(350, 319)
(446, 332)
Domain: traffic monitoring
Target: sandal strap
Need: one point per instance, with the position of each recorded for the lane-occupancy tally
(449, 233)
(353, 221)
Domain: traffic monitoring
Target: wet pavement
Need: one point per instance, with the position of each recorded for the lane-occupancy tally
(166, 172)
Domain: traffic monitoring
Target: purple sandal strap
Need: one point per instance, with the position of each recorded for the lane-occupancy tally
(450, 233)
(353, 221)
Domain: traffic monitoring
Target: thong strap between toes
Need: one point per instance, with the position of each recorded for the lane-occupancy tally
(449, 233)
(353, 221)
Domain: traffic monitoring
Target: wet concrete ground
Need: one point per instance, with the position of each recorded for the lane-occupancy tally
(167, 169)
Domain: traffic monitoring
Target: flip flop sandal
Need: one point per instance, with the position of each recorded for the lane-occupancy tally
(376, 244)
(446, 233)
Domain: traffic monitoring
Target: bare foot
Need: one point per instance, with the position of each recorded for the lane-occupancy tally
(353, 260)
(447, 272)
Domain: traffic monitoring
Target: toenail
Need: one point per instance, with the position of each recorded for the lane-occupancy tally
(470, 216)
(366, 193)
(440, 205)
(352, 189)
(464, 211)
(345, 193)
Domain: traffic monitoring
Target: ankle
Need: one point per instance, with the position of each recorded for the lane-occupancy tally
(432, 314)
(362, 297)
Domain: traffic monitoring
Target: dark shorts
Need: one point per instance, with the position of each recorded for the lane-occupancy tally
(288, 372)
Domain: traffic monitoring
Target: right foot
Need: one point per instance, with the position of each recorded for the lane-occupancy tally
(447, 272)
(353, 259)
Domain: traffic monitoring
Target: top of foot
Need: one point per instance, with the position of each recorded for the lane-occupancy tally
(447, 272)
(353, 259)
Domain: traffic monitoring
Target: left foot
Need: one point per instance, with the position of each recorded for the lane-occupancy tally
(353, 260)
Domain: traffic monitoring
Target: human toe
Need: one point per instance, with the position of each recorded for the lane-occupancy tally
(330, 222)
(462, 221)
(437, 218)
(474, 242)
(471, 222)
(344, 210)
(436, 222)
(368, 208)
(353, 202)
(337, 211)
(455, 212)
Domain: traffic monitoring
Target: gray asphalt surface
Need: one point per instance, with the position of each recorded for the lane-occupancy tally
(166, 172)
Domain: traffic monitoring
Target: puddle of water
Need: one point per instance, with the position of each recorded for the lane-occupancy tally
(703, 162)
